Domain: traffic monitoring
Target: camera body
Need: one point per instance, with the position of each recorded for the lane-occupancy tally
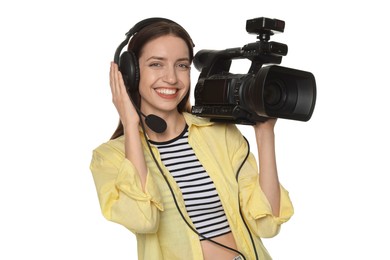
(269, 91)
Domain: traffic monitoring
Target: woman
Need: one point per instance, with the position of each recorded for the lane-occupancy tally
(193, 191)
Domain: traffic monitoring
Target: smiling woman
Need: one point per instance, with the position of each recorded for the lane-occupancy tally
(191, 190)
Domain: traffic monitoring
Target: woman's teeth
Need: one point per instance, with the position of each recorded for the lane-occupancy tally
(166, 91)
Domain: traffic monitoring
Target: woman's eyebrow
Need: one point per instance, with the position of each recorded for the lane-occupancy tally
(162, 58)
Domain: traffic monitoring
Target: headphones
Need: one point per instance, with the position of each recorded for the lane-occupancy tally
(127, 61)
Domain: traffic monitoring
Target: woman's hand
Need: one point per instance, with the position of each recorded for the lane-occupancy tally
(127, 113)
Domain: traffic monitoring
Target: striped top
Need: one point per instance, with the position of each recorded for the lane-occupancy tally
(200, 196)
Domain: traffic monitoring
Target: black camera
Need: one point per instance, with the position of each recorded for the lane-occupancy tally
(269, 91)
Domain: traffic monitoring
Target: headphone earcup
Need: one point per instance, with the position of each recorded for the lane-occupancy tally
(128, 66)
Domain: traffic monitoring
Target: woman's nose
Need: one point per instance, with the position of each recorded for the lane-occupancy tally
(170, 76)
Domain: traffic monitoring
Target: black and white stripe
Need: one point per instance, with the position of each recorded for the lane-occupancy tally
(200, 196)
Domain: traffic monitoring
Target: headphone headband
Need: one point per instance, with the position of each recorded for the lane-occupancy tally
(141, 24)
(136, 28)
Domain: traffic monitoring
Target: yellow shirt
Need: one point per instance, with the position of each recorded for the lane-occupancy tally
(152, 215)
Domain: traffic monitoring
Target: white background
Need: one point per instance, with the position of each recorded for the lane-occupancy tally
(55, 107)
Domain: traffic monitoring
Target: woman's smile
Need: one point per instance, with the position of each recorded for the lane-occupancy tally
(166, 92)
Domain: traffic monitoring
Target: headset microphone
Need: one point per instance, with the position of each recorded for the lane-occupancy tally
(155, 123)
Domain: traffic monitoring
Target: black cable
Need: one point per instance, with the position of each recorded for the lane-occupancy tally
(174, 197)
(239, 205)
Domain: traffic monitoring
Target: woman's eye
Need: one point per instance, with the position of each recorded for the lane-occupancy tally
(155, 64)
(184, 66)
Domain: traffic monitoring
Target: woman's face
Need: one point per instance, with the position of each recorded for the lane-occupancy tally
(164, 74)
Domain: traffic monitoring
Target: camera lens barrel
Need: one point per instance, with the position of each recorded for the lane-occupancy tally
(282, 92)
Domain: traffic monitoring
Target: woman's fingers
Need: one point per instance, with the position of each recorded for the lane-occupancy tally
(116, 81)
(113, 76)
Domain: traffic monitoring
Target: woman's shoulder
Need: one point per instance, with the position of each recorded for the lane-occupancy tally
(196, 120)
(111, 146)
(204, 124)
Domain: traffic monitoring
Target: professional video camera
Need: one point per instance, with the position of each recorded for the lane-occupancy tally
(264, 92)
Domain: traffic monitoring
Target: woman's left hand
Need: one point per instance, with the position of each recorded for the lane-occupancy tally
(268, 125)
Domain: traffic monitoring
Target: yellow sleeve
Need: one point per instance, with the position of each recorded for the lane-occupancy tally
(120, 193)
(253, 202)
(256, 207)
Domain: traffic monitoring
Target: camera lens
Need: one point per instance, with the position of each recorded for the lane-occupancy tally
(274, 94)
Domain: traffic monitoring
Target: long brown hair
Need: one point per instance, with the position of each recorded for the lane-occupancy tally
(136, 44)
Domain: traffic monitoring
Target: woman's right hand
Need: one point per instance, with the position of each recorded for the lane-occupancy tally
(127, 113)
